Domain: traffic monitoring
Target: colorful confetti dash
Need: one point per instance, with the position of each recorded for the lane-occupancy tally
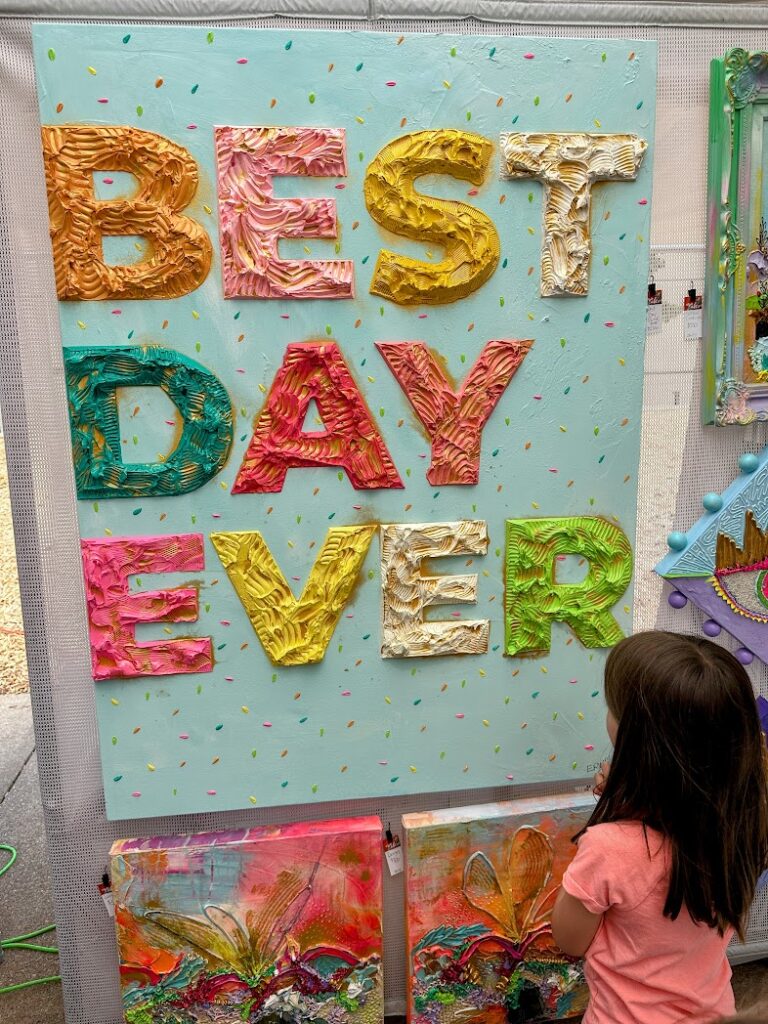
(242, 60)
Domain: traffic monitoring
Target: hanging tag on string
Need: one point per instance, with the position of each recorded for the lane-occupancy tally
(693, 315)
(107, 896)
(653, 319)
(393, 851)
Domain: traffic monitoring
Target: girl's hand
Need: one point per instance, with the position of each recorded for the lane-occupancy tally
(601, 777)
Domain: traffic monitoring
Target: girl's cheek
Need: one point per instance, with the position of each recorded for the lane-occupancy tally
(612, 727)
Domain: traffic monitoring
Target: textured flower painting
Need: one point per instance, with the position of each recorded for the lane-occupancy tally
(481, 885)
(269, 925)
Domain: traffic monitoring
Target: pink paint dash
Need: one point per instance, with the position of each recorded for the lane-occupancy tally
(609, 323)
(346, 693)
(357, 507)
(136, 793)
(642, 202)
(340, 186)
(529, 56)
(390, 84)
(510, 777)
(383, 762)
(102, 99)
(285, 316)
(225, 622)
(296, 579)
(456, 615)
(229, 679)
(240, 371)
(472, 192)
(171, 423)
(552, 469)
(572, 681)
(117, 312)
(183, 735)
(191, 127)
(538, 397)
(108, 181)
(267, 725)
(423, 316)
(215, 515)
(242, 60)
(211, 792)
(589, 746)
(459, 714)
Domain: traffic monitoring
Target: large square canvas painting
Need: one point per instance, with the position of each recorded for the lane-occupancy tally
(481, 885)
(267, 925)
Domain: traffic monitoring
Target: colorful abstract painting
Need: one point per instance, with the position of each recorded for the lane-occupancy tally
(721, 563)
(352, 329)
(481, 884)
(735, 387)
(270, 925)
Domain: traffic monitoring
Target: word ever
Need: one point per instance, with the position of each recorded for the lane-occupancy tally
(297, 631)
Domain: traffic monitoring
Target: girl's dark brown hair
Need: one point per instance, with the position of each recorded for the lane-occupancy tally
(690, 762)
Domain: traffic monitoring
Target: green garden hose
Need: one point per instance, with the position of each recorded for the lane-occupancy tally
(22, 941)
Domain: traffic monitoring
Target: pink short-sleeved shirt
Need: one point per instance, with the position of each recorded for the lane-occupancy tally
(643, 968)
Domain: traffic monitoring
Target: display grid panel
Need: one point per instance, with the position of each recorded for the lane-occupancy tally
(681, 461)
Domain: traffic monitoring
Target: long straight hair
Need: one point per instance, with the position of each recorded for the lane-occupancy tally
(690, 762)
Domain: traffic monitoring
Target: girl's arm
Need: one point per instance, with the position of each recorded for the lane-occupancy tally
(573, 926)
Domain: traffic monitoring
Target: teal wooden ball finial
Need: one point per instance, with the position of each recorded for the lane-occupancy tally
(712, 502)
(677, 541)
(748, 462)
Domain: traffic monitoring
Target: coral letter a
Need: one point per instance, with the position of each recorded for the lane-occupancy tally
(315, 371)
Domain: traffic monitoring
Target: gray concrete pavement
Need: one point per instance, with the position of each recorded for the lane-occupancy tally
(25, 891)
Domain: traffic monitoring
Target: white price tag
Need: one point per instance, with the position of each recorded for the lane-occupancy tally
(393, 851)
(693, 317)
(107, 898)
(653, 319)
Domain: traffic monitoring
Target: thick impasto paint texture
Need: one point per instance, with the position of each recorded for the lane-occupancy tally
(363, 313)
(721, 563)
(480, 887)
(265, 925)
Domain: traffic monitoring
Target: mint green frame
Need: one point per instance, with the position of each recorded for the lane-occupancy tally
(738, 110)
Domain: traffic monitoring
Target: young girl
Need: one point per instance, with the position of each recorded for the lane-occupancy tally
(667, 865)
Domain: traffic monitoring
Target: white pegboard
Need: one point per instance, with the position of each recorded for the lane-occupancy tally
(680, 461)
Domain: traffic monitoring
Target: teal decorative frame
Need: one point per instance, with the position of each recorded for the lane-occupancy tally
(737, 250)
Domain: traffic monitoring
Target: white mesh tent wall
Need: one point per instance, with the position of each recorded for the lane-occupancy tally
(681, 459)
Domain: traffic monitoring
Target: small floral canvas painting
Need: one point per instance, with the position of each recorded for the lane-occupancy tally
(268, 925)
(481, 884)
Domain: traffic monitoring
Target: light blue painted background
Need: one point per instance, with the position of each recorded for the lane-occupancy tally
(531, 707)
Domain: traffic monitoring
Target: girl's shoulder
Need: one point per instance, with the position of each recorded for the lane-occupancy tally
(629, 839)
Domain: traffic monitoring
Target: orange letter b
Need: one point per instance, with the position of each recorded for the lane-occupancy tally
(180, 250)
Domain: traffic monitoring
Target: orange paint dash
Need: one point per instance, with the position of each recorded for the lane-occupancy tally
(607, 215)
(158, 82)
(585, 379)
(343, 768)
(182, 763)
(355, 225)
(400, 423)
(269, 510)
(498, 489)
(350, 724)
(165, 324)
(358, 662)
(624, 422)
(59, 107)
(569, 484)
(470, 327)
(569, 97)
(163, 515)
(627, 478)
(316, 492)
(215, 760)
(502, 199)
(499, 101)
(243, 646)
(403, 122)
(622, 289)
(330, 67)
(408, 507)
(137, 729)
(530, 271)
(297, 695)
(358, 322)
(401, 40)
(527, 445)
(273, 103)
(283, 753)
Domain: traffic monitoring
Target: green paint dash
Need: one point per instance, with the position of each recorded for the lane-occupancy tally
(51, 55)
